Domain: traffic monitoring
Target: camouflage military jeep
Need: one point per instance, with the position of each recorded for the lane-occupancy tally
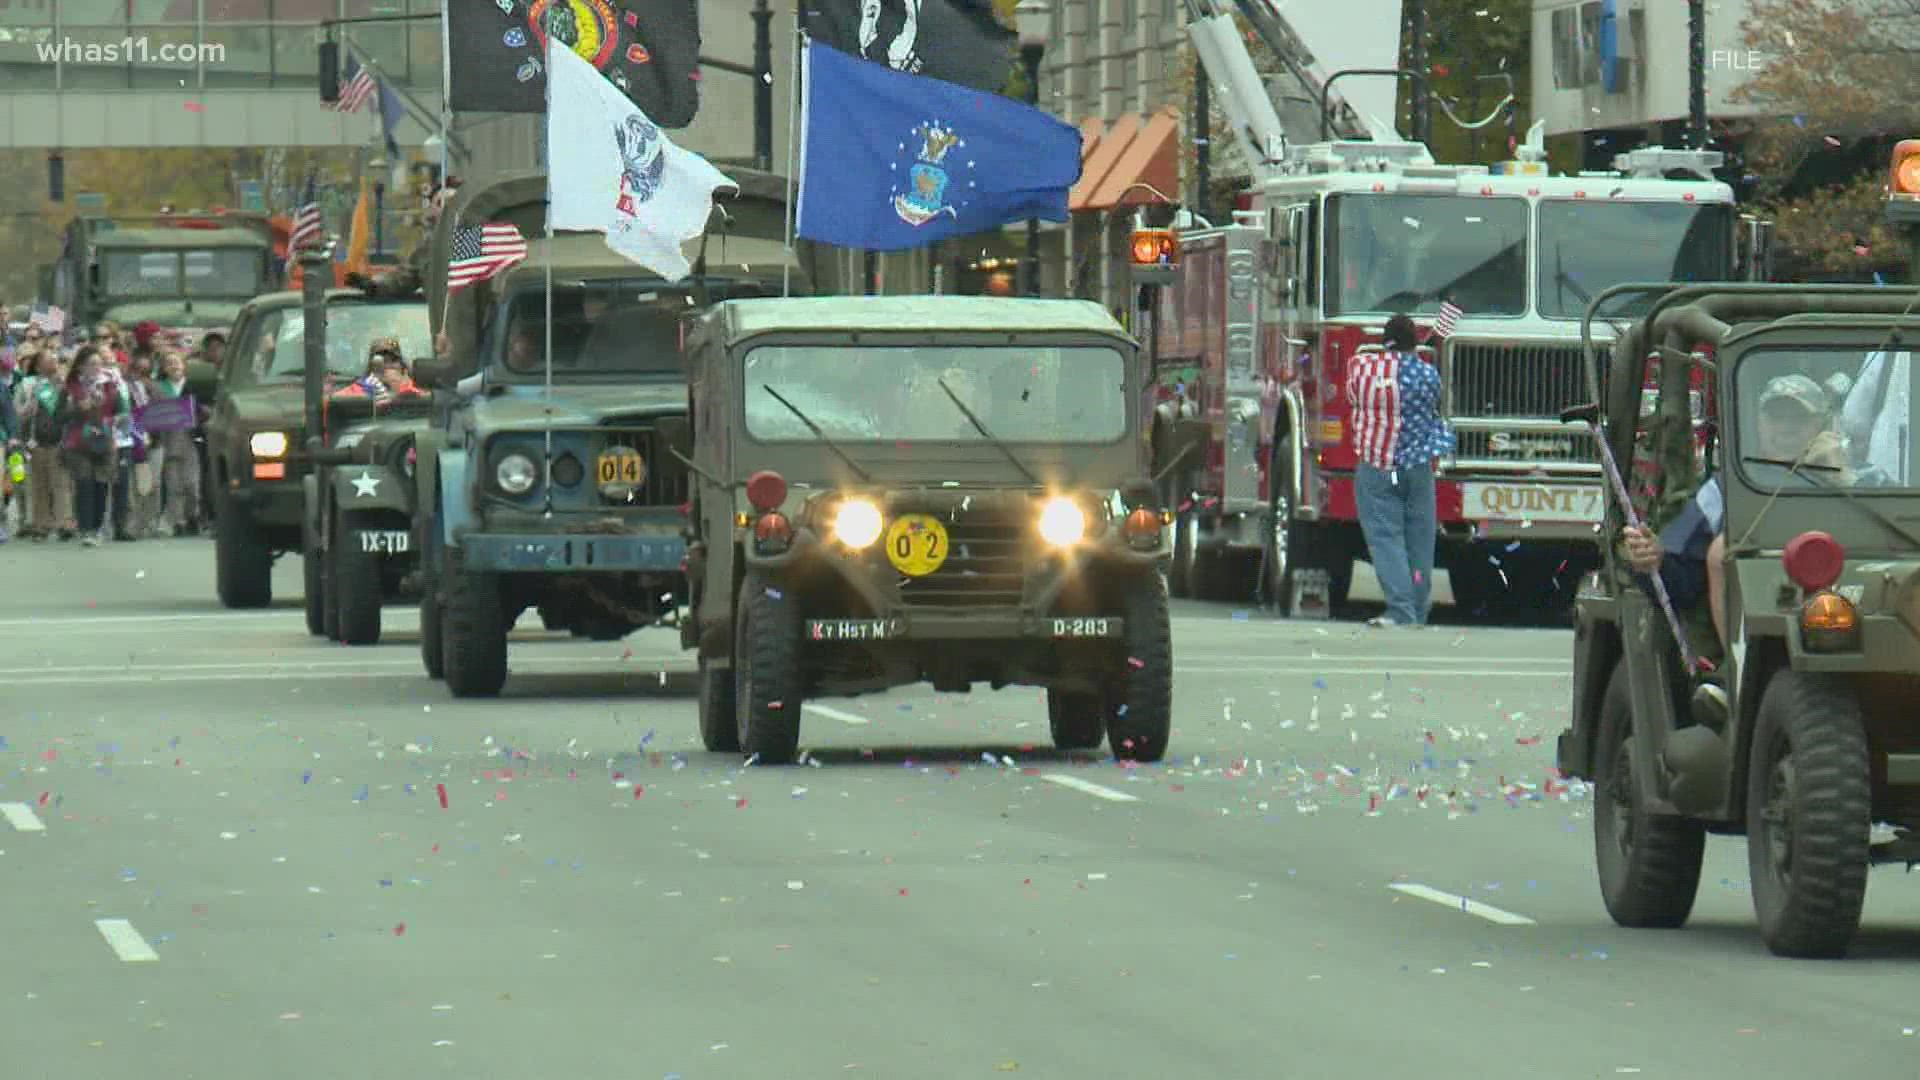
(944, 489)
(1808, 741)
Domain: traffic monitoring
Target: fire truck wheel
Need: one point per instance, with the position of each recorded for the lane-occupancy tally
(1140, 701)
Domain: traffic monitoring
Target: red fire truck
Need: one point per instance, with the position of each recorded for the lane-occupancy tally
(1251, 326)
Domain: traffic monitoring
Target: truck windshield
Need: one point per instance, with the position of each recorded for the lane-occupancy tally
(1074, 394)
(1643, 241)
(351, 329)
(617, 326)
(222, 272)
(1844, 414)
(1408, 253)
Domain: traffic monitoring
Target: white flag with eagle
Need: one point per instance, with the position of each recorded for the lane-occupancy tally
(611, 170)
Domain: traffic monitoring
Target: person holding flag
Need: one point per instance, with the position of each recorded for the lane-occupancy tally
(1400, 438)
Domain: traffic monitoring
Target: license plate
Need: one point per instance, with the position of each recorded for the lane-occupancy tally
(916, 544)
(386, 541)
(851, 629)
(1532, 502)
(622, 466)
(1080, 628)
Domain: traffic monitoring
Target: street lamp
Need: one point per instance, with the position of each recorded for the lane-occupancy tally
(1034, 21)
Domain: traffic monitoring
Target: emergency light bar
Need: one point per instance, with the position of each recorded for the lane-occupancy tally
(1155, 256)
(1903, 183)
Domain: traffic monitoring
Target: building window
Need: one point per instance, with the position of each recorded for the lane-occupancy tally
(1576, 46)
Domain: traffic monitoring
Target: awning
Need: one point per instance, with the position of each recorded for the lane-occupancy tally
(1151, 159)
(1095, 166)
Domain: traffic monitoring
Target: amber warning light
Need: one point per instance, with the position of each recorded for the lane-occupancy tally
(1155, 247)
(1903, 183)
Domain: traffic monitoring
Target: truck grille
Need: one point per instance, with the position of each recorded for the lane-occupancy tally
(986, 562)
(1535, 382)
(667, 481)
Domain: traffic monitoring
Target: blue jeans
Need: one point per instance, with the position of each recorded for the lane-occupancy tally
(1398, 517)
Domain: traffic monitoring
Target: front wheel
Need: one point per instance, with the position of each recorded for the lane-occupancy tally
(243, 563)
(432, 646)
(1809, 816)
(719, 715)
(1649, 864)
(356, 587)
(473, 630)
(1139, 707)
(314, 599)
(1076, 719)
(766, 671)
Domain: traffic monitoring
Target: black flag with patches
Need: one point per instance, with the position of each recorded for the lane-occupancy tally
(648, 48)
(957, 41)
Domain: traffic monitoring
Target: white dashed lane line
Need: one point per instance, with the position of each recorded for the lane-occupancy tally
(21, 817)
(125, 941)
(832, 713)
(1462, 904)
(1087, 787)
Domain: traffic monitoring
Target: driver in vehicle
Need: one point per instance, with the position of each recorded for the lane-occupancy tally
(1690, 553)
(387, 375)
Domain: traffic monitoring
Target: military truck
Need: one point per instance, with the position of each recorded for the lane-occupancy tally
(357, 538)
(188, 272)
(950, 490)
(549, 487)
(258, 427)
(1798, 733)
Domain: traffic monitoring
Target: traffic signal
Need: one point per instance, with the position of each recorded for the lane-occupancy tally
(329, 72)
(1903, 183)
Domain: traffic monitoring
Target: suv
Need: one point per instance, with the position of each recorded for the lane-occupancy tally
(940, 489)
(1801, 735)
(257, 425)
(551, 488)
(358, 546)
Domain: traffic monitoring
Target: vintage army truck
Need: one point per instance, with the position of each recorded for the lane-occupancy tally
(550, 488)
(1798, 732)
(357, 482)
(257, 428)
(934, 489)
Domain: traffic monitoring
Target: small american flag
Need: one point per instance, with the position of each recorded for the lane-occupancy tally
(307, 226)
(483, 251)
(354, 95)
(1448, 320)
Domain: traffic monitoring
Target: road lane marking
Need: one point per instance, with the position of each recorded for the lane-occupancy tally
(95, 620)
(125, 941)
(21, 817)
(832, 713)
(1087, 787)
(1395, 658)
(278, 665)
(1430, 673)
(1461, 903)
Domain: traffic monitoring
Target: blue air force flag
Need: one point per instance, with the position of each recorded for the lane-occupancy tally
(890, 161)
(611, 170)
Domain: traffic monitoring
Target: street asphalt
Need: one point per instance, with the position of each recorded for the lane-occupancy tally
(230, 850)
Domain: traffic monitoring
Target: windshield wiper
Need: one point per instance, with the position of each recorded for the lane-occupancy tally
(1859, 503)
(864, 475)
(988, 435)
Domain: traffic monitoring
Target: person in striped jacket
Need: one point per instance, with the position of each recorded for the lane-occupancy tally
(1400, 437)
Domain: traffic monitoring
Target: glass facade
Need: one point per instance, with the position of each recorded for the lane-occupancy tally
(91, 45)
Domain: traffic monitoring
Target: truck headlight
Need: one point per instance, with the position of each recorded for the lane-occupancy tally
(1062, 522)
(856, 523)
(268, 444)
(516, 474)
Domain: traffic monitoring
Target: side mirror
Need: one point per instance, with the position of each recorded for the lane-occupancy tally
(676, 433)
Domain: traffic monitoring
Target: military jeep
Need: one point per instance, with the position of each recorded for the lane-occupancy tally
(549, 487)
(258, 427)
(1798, 733)
(937, 489)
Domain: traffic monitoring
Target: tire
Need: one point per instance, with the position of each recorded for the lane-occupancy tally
(766, 672)
(1139, 709)
(1180, 573)
(1649, 865)
(719, 718)
(356, 588)
(243, 564)
(313, 588)
(1809, 816)
(432, 656)
(1078, 720)
(473, 630)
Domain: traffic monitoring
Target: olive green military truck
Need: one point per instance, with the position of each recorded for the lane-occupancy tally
(1798, 731)
(939, 489)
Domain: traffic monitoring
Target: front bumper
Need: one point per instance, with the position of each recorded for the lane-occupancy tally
(548, 553)
(275, 503)
(975, 626)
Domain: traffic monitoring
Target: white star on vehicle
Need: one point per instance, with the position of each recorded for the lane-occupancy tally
(366, 484)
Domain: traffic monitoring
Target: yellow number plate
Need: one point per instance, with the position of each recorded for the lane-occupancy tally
(916, 544)
(621, 467)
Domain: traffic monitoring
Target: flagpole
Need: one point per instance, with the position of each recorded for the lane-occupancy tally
(547, 141)
(446, 92)
(795, 87)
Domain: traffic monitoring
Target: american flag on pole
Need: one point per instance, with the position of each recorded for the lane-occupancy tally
(357, 90)
(483, 251)
(1449, 319)
(308, 226)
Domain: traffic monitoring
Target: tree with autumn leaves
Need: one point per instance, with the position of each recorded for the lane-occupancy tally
(1834, 86)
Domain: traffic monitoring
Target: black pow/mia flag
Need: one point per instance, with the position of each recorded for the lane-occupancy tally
(650, 49)
(956, 41)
